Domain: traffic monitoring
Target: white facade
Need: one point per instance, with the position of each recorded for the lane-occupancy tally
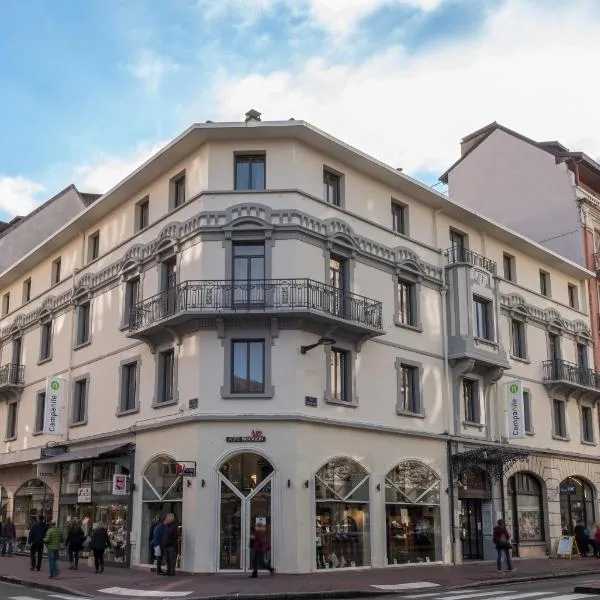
(183, 332)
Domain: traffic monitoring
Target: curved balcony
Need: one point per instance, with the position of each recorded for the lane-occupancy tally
(570, 378)
(12, 379)
(306, 298)
(463, 256)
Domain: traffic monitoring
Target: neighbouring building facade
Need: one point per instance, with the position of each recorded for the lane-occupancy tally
(264, 326)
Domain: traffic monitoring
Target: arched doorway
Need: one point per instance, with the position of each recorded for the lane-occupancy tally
(576, 503)
(474, 489)
(412, 514)
(245, 491)
(527, 505)
(343, 513)
(33, 499)
(162, 494)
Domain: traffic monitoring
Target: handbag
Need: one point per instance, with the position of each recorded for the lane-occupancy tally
(504, 545)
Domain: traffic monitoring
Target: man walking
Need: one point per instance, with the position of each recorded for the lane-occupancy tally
(37, 533)
(8, 537)
(54, 539)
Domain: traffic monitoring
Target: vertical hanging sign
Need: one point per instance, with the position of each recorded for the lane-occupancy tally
(516, 410)
(55, 389)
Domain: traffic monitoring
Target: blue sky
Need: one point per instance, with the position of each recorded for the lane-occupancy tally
(90, 89)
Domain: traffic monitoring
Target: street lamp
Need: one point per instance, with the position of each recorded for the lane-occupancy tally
(324, 341)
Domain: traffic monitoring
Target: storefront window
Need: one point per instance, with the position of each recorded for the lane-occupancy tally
(33, 499)
(576, 504)
(162, 494)
(342, 509)
(412, 510)
(527, 505)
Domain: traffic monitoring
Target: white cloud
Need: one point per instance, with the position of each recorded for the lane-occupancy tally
(527, 69)
(150, 69)
(107, 170)
(18, 196)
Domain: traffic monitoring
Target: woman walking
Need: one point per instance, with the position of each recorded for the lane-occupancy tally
(75, 539)
(99, 543)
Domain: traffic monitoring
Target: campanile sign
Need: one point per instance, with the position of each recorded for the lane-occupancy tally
(516, 411)
(55, 390)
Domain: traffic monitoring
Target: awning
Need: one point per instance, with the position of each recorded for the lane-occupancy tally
(496, 460)
(83, 454)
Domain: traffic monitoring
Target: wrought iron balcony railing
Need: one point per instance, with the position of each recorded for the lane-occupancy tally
(457, 255)
(562, 371)
(12, 375)
(278, 295)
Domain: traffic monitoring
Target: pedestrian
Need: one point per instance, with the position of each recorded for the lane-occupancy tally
(8, 534)
(582, 538)
(99, 543)
(74, 543)
(259, 548)
(37, 533)
(501, 539)
(157, 552)
(151, 544)
(54, 539)
(169, 543)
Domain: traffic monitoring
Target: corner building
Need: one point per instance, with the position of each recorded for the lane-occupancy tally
(263, 325)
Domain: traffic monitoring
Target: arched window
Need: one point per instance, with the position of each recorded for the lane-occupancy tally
(576, 503)
(412, 514)
(33, 499)
(343, 512)
(527, 502)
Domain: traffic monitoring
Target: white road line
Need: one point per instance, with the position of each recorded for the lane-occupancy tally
(63, 597)
(119, 591)
(572, 596)
(415, 585)
(415, 596)
(22, 598)
(465, 595)
(526, 595)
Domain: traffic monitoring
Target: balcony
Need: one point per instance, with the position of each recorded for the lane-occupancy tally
(459, 256)
(570, 378)
(597, 263)
(191, 301)
(12, 379)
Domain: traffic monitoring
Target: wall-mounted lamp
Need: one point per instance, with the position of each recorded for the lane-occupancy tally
(324, 341)
(378, 488)
(189, 483)
(306, 483)
(203, 483)
(289, 483)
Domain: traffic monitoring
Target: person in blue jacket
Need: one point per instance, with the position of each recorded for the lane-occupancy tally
(156, 542)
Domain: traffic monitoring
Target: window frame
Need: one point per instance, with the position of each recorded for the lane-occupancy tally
(142, 207)
(12, 421)
(488, 315)
(249, 344)
(562, 435)
(474, 400)
(521, 326)
(402, 208)
(573, 296)
(26, 295)
(583, 410)
(582, 355)
(56, 268)
(83, 308)
(251, 158)
(80, 384)
(349, 375)
(401, 364)
(46, 341)
(527, 412)
(5, 304)
(128, 297)
(328, 172)
(132, 362)
(509, 267)
(160, 387)
(175, 185)
(93, 246)
(545, 284)
(40, 412)
(414, 295)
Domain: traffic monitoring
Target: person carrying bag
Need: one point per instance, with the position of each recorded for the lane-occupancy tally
(503, 546)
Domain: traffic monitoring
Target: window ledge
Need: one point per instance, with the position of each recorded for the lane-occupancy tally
(561, 438)
(473, 425)
(480, 340)
(233, 396)
(129, 411)
(352, 404)
(418, 328)
(123, 326)
(78, 424)
(43, 361)
(36, 433)
(10, 439)
(588, 443)
(530, 433)
(82, 345)
(409, 413)
(164, 404)
(525, 361)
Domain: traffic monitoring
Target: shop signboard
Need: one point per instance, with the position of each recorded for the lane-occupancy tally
(568, 488)
(186, 468)
(46, 470)
(84, 495)
(516, 412)
(256, 435)
(55, 391)
(119, 485)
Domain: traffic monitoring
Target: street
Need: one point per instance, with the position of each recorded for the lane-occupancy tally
(17, 592)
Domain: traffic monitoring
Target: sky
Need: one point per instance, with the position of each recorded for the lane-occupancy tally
(89, 90)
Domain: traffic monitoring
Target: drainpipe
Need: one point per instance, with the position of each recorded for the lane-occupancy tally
(451, 498)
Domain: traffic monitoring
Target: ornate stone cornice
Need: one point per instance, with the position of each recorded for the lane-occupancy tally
(250, 216)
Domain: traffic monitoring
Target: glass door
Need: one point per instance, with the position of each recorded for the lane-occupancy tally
(471, 530)
(248, 274)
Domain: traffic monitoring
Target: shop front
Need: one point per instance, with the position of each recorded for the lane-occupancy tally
(95, 488)
(577, 504)
(527, 507)
(32, 500)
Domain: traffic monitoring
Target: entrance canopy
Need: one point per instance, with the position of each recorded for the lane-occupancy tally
(86, 453)
(496, 460)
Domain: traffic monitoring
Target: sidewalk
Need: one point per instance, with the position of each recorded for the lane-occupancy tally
(334, 583)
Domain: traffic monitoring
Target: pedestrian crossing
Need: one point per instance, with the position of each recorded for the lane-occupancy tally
(498, 594)
(44, 596)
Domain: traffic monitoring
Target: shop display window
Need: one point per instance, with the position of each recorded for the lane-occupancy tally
(412, 511)
(576, 504)
(527, 505)
(32, 500)
(343, 511)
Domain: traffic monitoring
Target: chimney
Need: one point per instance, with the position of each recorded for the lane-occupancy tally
(252, 116)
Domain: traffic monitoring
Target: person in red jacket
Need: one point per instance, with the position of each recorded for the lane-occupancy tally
(258, 549)
(501, 539)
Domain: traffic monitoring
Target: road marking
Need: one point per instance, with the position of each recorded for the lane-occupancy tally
(464, 596)
(407, 586)
(572, 596)
(63, 597)
(526, 595)
(22, 598)
(119, 591)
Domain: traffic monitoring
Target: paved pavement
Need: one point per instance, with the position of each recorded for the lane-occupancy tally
(129, 583)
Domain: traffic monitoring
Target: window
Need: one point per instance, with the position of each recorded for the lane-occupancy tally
(471, 401)
(46, 341)
(559, 418)
(409, 389)
(6, 304)
(79, 409)
(407, 303)
(249, 172)
(518, 345)
(573, 296)
(178, 191)
(11, 421)
(128, 400)
(93, 246)
(248, 366)
(457, 239)
(483, 318)
(399, 217)
(83, 324)
(248, 272)
(587, 424)
(508, 263)
(142, 214)
(56, 266)
(527, 411)
(582, 356)
(166, 376)
(544, 283)
(132, 296)
(168, 275)
(40, 411)
(340, 375)
(27, 290)
(554, 349)
(332, 188)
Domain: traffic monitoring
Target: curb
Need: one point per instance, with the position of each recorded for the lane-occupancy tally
(38, 585)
